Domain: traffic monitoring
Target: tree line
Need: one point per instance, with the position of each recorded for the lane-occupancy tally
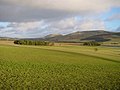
(33, 42)
(92, 43)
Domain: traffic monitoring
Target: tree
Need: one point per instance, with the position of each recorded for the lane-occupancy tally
(91, 43)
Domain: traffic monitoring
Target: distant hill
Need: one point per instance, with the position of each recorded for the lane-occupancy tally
(53, 35)
(99, 36)
(7, 38)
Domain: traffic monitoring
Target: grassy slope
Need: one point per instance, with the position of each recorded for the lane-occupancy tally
(59, 67)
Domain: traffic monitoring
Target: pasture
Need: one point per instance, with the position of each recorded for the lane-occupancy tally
(59, 68)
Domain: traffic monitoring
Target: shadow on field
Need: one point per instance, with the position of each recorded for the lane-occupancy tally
(102, 58)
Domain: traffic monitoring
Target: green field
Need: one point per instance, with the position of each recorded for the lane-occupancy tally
(59, 68)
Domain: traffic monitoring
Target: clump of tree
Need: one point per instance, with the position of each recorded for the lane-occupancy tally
(92, 43)
(33, 42)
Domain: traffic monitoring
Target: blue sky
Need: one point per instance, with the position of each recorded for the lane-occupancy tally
(114, 23)
(4, 24)
(28, 18)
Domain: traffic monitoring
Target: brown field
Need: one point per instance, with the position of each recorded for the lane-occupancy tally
(67, 44)
(6, 42)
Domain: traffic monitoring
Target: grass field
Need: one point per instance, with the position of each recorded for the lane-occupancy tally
(59, 68)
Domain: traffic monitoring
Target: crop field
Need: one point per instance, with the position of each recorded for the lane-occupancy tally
(59, 68)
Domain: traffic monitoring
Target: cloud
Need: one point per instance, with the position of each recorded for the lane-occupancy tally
(22, 29)
(37, 18)
(63, 24)
(118, 29)
(25, 26)
(35, 10)
(92, 24)
(114, 17)
(1, 27)
(70, 25)
(42, 28)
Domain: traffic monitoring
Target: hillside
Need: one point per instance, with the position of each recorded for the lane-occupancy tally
(99, 36)
(104, 37)
(53, 35)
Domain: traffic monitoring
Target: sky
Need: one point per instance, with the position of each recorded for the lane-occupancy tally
(38, 18)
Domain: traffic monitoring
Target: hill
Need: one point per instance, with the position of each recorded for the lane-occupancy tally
(53, 35)
(99, 36)
(80, 36)
(104, 37)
